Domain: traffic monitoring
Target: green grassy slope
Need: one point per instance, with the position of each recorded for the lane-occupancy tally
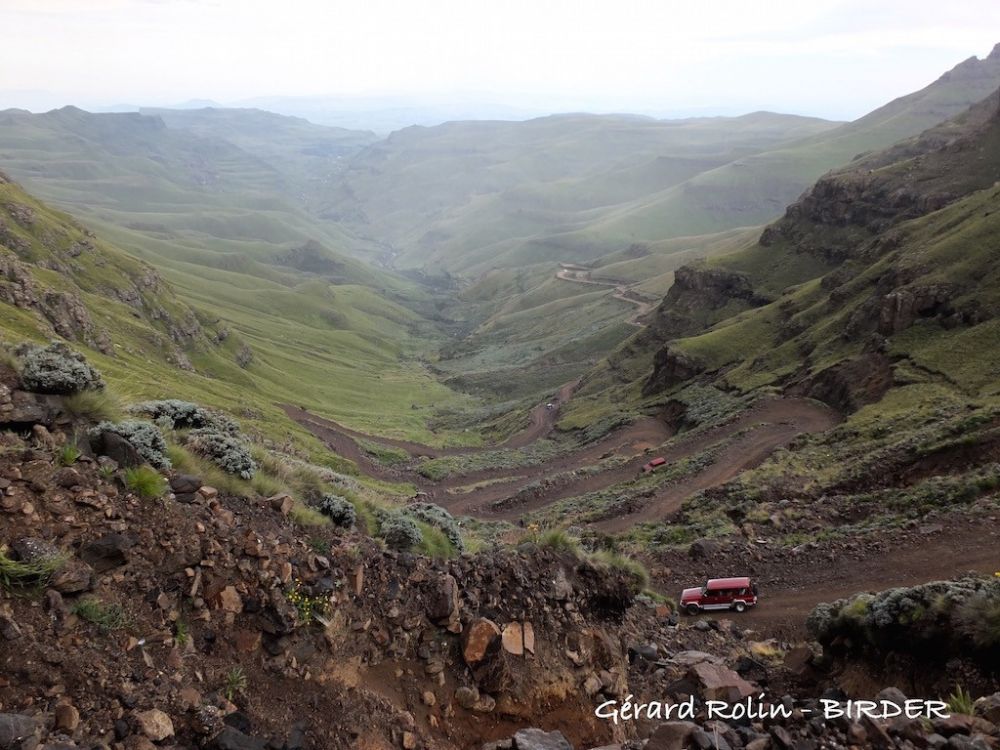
(326, 330)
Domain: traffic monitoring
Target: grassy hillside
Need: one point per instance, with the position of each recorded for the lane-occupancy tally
(325, 330)
(470, 196)
(877, 293)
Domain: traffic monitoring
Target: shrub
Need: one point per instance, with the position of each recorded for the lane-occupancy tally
(147, 483)
(184, 414)
(339, 510)
(439, 518)
(434, 542)
(144, 436)
(400, 532)
(229, 453)
(56, 369)
(961, 702)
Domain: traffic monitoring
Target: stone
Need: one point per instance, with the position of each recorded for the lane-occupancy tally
(67, 477)
(283, 503)
(466, 697)
(73, 578)
(478, 637)
(409, 741)
(537, 739)
(703, 549)
(229, 600)
(67, 717)
(15, 729)
(231, 738)
(247, 641)
(107, 552)
(155, 724)
(442, 604)
(185, 483)
(512, 638)
(718, 682)
(117, 448)
(671, 735)
(988, 707)
(799, 660)
(188, 698)
(528, 631)
(208, 492)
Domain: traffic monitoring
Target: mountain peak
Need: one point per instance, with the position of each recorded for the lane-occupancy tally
(995, 54)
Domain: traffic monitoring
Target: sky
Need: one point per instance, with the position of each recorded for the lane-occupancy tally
(829, 58)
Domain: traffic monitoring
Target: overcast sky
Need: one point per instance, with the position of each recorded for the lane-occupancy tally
(833, 58)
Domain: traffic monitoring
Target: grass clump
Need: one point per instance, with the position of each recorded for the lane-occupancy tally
(107, 617)
(961, 702)
(146, 482)
(68, 455)
(234, 683)
(304, 515)
(630, 566)
(558, 540)
(20, 574)
(93, 406)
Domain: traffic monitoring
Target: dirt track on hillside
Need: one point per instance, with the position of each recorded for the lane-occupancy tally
(622, 291)
(790, 589)
(490, 492)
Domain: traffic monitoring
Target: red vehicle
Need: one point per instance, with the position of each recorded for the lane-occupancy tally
(720, 593)
(653, 465)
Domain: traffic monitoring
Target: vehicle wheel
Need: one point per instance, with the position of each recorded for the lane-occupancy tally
(740, 607)
(692, 609)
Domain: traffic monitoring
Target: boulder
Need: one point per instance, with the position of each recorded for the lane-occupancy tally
(671, 735)
(718, 682)
(73, 578)
(537, 739)
(703, 549)
(988, 707)
(442, 603)
(479, 636)
(15, 729)
(117, 448)
(185, 483)
(512, 638)
(154, 724)
(107, 552)
(231, 738)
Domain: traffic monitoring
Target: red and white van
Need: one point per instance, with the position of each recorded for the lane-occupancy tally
(720, 593)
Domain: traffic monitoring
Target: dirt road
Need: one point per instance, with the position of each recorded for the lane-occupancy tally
(622, 291)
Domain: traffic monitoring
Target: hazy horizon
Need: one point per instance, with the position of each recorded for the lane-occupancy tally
(835, 59)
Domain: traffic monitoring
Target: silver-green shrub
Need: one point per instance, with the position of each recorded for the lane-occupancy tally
(400, 532)
(227, 452)
(56, 369)
(144, 436)
(339, 510)
(184, 414)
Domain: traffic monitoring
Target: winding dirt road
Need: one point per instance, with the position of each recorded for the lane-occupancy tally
(510, 492)
(622, 291)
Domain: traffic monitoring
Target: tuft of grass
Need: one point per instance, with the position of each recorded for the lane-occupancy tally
(305, 515)
(434, 542)
(107, 617)
(68, 455)
(558, 540)
(16, 574)
(181, 633)
(961, 702)
(234, 683)
(146, 482)
(635, 569)
(94, 406)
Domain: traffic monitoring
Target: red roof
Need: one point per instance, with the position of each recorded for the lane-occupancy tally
(715, 584)
(658, 461)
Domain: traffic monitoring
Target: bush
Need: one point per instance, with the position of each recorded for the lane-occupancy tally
(339, 510)
(144, 436)
(68, 455)
(56, 369)
(439, 518)
(400, 532)
(147, 483)
(17, 574)
(184, 414)
(558, 540)
(229, 453)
